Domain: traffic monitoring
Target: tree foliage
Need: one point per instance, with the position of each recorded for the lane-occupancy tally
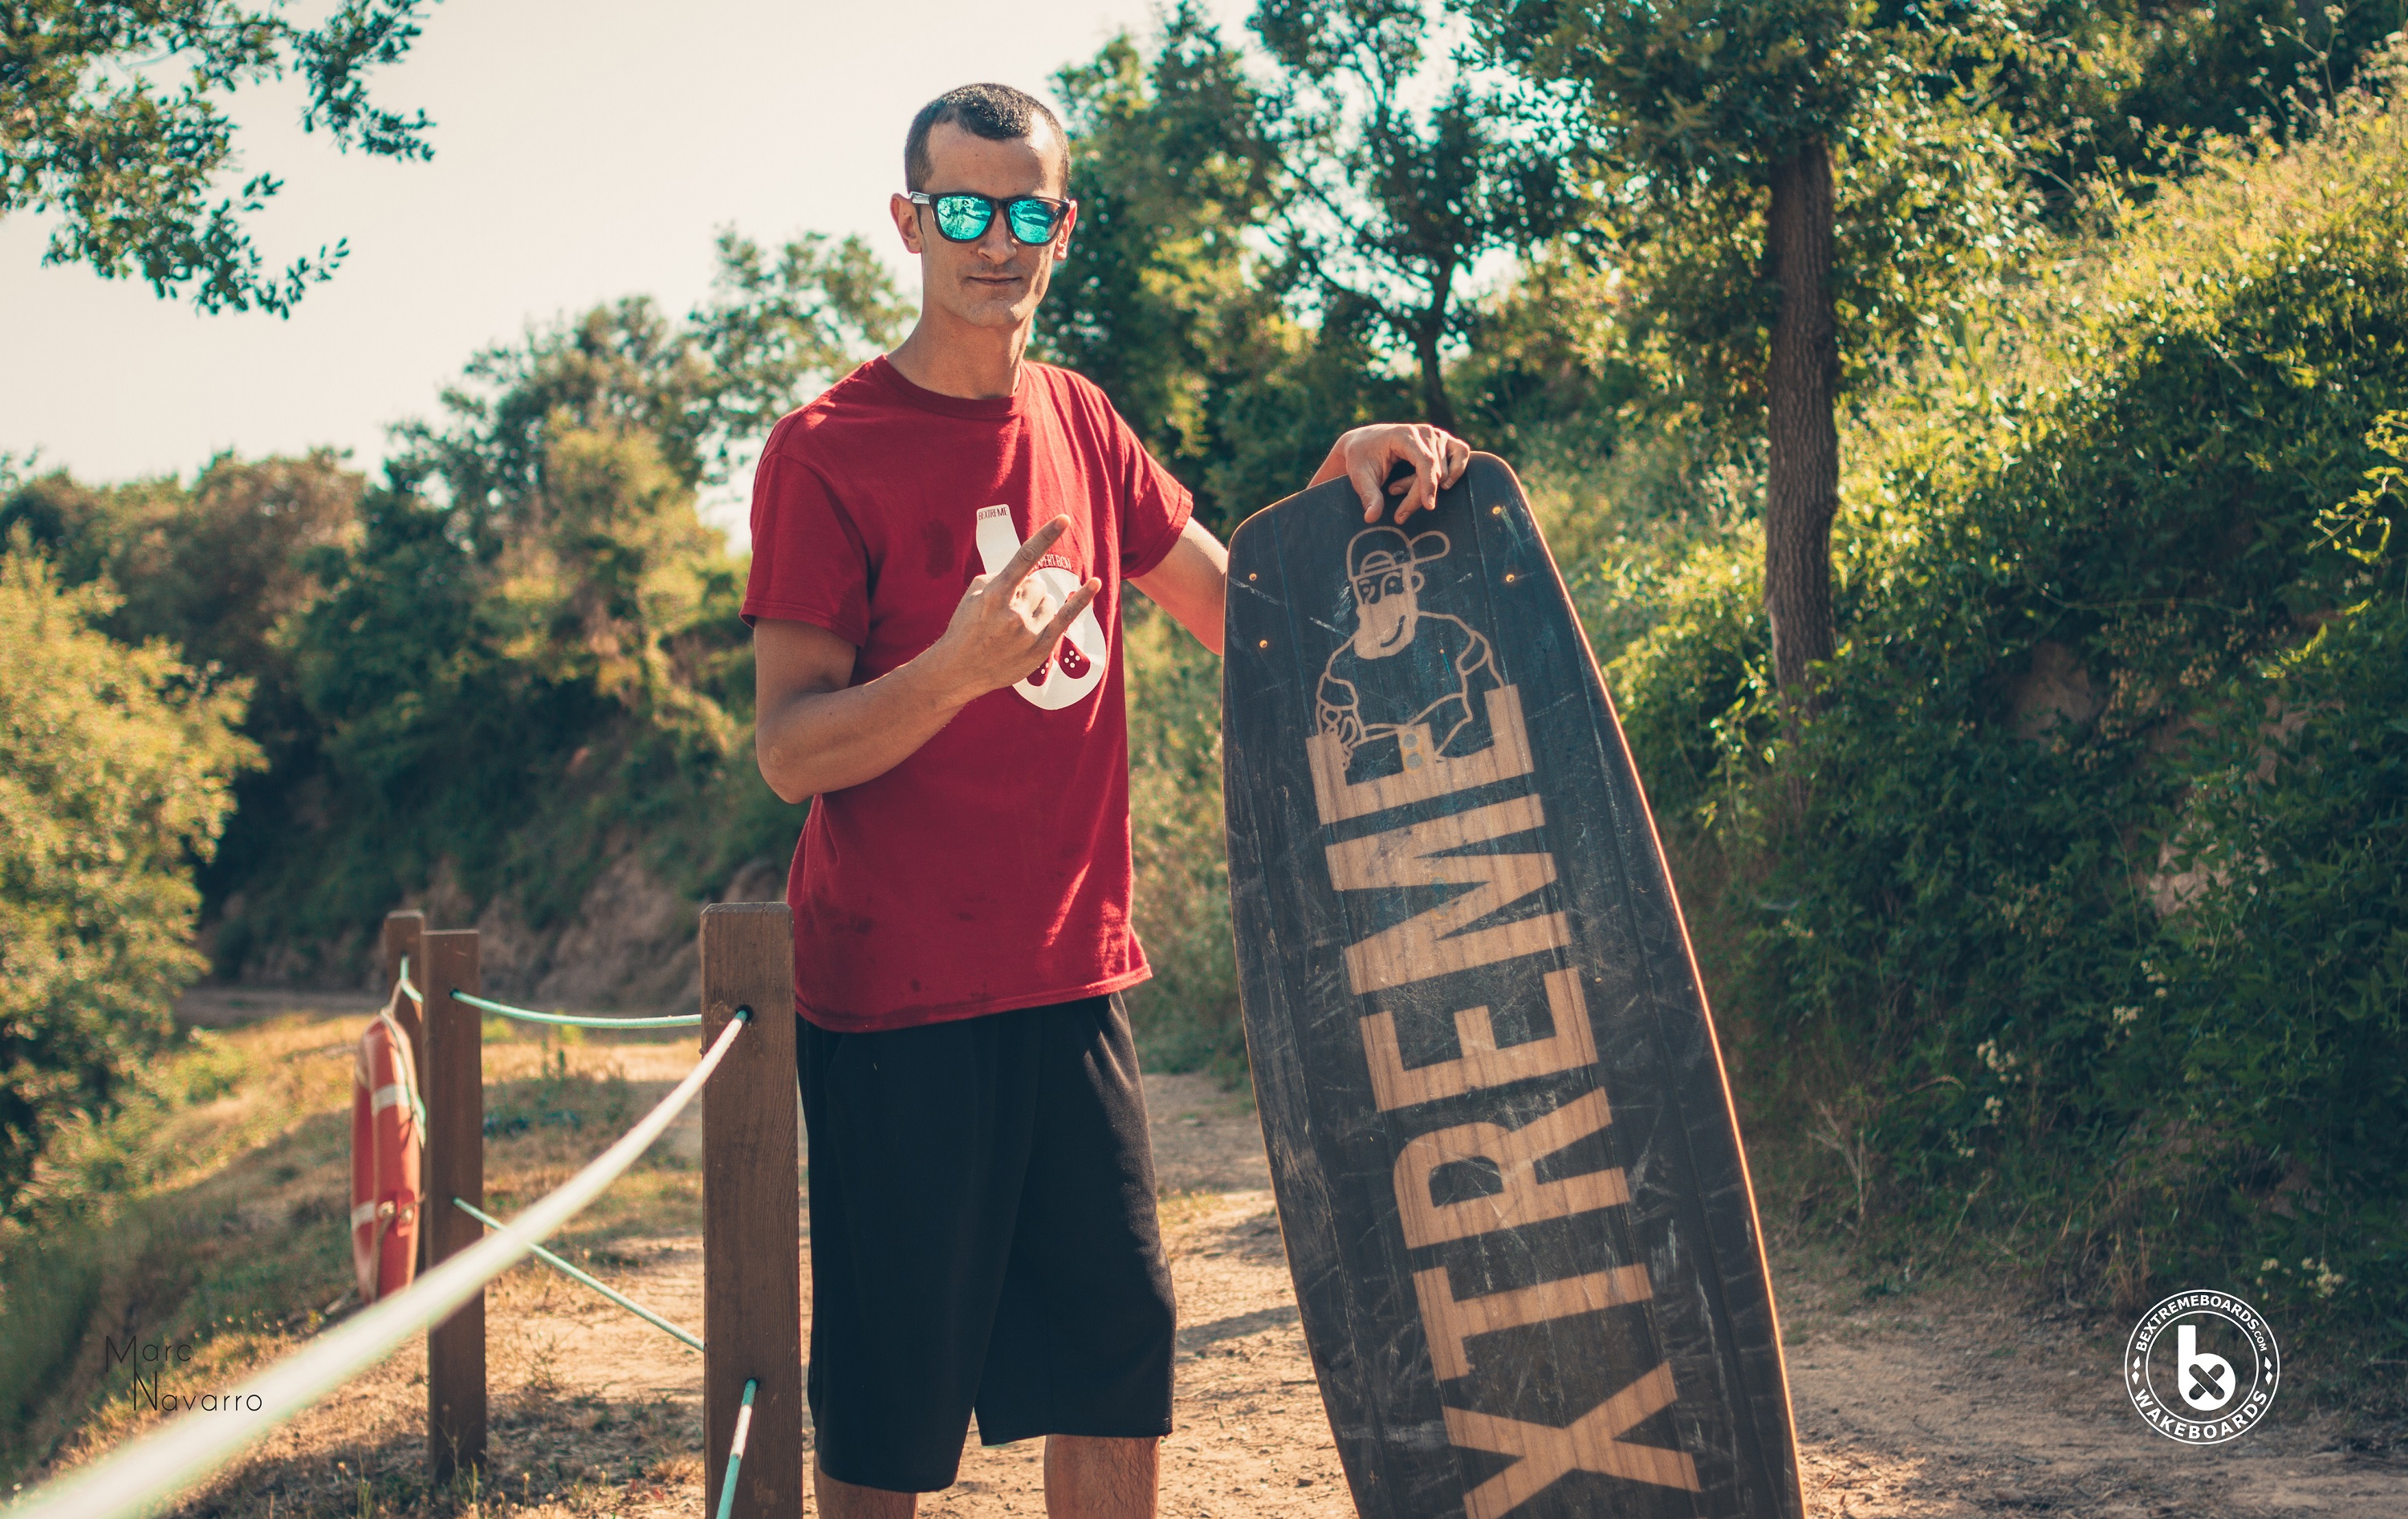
(532, 631)
(130, 164)
(1391, 206)
(115, 771)
(1166, 302)
(771, 333)
(532, 645)
(1997, 914)
(776, 330)
(219, 570)
(481, 668)
(2157, 82)
(1161, 302)
(2289, 988)
(1796, 185)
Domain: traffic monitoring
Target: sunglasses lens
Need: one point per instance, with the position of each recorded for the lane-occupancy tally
(1032, 221)
(963, 218)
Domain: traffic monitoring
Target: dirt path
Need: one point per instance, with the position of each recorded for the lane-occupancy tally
(1954, 1403)
(1939, 1404)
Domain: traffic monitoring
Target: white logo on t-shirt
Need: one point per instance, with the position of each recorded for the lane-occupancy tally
(1077, 667)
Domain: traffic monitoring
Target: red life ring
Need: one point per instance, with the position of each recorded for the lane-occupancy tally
(388, 1136)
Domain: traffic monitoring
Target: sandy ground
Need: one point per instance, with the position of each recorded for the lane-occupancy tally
(1941, 1403)
(1958, 1402)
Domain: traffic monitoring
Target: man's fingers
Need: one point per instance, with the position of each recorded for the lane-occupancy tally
(1410, 461)
(1418, 448)
(1069, 612)
(1446, 458)
(1459, 459)
(1368, 476)
(1020, 566)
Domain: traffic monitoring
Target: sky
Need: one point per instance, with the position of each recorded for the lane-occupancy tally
(584, 150)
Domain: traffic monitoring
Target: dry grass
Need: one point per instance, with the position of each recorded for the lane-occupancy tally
(219, 1225)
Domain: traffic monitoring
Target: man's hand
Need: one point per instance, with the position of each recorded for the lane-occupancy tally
(1005, 627)
(816, 732)
(1366, 454)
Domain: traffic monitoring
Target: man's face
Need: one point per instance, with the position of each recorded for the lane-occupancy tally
(1386, 609)
(994, 281)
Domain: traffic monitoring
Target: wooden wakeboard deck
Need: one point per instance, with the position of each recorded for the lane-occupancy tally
(1507, 1173)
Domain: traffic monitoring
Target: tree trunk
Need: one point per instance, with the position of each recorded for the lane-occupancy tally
(1801, 385)
(1436, 407)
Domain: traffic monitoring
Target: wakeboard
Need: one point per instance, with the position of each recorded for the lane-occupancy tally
(1509, 1176)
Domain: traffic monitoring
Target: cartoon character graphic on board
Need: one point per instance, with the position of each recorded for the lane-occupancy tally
(1406, 668)
(1077, 667)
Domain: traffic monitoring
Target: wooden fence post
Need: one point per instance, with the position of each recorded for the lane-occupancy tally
(752, 1234)
(455, 1075)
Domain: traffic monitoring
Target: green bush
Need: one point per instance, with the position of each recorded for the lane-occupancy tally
(1186, 1017)
(2286, 1002)
(518, 659)
(529, 659)
(220, 569)
(1980, 986)
(116, 767)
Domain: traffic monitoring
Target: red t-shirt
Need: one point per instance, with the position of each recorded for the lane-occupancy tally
(990, 870)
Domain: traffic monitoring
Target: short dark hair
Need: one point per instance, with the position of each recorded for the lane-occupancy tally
(996, 112)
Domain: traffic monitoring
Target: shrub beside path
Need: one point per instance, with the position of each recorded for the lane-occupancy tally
(1942, 1401)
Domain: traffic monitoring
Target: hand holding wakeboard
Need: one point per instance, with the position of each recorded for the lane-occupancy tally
(1509, 1176)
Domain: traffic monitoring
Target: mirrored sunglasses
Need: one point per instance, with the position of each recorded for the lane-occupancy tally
(963, 216)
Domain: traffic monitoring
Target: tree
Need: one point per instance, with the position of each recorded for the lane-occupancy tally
(115, 766)
(769, 335)
(1169, 300)
(1161, 302)
(1390, 206)
(507, 669)
(215, 570)
(2157, 78)
(774, 332)
(222, 570)
(129, 164)
(529, 649)
(1803, 179)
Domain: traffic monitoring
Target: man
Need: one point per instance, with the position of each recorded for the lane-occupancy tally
(939, 544)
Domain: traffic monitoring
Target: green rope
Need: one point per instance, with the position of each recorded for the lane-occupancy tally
(406, 990)
(690, 1020)
(736, 1449)
(574, 1274)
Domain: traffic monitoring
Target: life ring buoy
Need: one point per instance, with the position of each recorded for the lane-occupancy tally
(387, 1139)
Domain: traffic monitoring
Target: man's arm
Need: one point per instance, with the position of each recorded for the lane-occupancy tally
(1192, 583)
(814, 733)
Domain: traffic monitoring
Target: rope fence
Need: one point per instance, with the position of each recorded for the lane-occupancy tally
(530, 1015)
(751, 1286)
(571, 1272)
(735, 1451)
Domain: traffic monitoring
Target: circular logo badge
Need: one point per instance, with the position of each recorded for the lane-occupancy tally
(2202, 1366)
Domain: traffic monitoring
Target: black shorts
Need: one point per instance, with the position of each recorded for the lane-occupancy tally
(983, 1237)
